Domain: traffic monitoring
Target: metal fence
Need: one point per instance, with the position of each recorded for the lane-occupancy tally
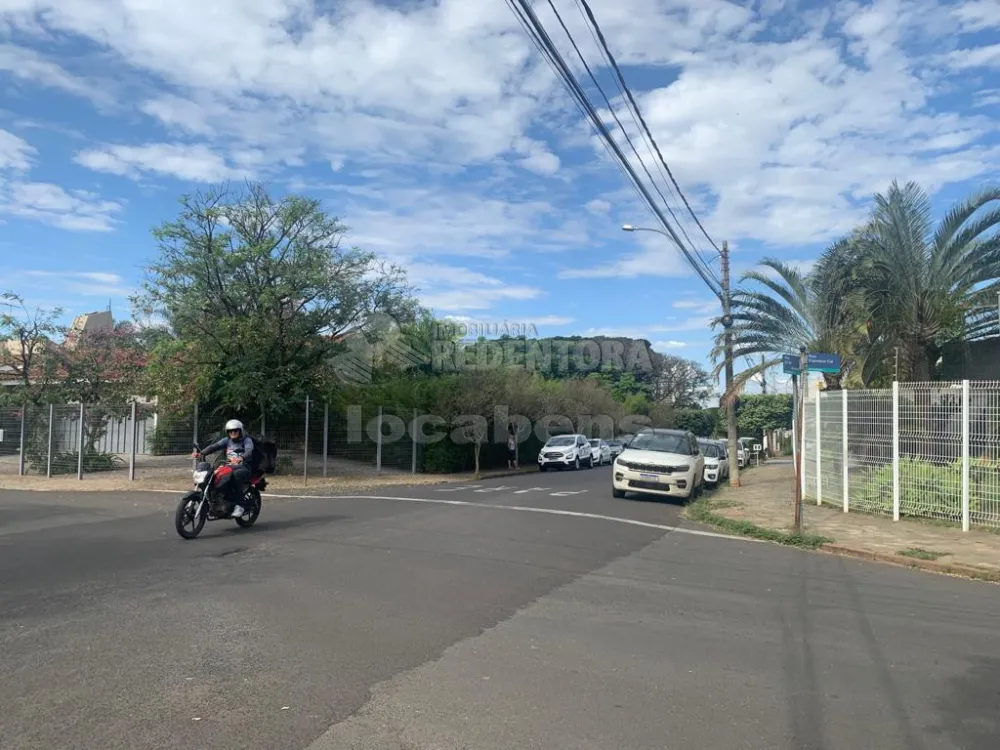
(314, 439)
(929, 450)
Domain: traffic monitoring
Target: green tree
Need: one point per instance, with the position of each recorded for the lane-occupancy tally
(259, 295)
(758, 413)
(28, 349)
(778, 309)
(682, 383)
(927, 286)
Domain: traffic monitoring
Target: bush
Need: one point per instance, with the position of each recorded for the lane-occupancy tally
(928, 489)
(67, 462)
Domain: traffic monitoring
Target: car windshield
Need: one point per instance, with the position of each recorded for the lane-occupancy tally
(561, 442)
(711, 451)
(596, 443)
(661, 443)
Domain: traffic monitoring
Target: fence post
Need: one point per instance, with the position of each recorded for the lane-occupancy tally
(20, 458)
(194, 462)
(413, 443)
(819, 450)
(802, 438)
(326, 433)
(378, 443)
(965, 455)
(895, 450)
(133, 434)
(305, 453)
(48, 459)
(79, 447)
(847, 454)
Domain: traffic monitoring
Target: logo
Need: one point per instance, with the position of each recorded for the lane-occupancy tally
(379, 341)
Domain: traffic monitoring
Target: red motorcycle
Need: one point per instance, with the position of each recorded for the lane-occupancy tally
(211, 499)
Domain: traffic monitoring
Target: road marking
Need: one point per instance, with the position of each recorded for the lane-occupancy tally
(531, 489)
(564, 493)
(520, 509)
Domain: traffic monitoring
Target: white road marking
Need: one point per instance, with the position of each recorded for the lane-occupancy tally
(518, 508)
(530, 489)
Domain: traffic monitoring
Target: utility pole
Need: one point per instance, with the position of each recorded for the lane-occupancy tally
(800, 402)
(727, 324)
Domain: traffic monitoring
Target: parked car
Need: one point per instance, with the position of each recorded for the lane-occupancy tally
(716, 463)
(565, 452)
(601, 451)
(617, 446)
(661, 462)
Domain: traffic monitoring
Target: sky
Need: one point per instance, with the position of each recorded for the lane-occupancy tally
(441, 139)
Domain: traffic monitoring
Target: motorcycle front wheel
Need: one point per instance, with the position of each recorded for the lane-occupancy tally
(187, 525)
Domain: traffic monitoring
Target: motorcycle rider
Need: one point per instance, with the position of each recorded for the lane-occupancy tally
(239, 452)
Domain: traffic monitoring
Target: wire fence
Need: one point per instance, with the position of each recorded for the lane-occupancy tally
(314, 439)
(924, 450)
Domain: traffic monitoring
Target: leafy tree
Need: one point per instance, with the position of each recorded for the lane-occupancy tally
(682, 383)
(259, 295)
(778, 309)
(702, 422)
(28, 347)
(756, 414)
(924, 286)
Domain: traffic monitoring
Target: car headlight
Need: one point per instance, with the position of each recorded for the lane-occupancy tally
(199, 476)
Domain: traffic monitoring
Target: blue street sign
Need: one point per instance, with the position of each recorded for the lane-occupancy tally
(815, 362)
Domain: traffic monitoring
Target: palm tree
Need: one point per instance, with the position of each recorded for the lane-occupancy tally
(785, 309)
(925, 287)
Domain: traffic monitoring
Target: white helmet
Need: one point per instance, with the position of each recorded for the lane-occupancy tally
(234, 424)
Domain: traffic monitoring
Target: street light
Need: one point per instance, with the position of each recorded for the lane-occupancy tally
(727, 324)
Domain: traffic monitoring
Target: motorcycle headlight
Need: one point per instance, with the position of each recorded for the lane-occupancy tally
(199, 476)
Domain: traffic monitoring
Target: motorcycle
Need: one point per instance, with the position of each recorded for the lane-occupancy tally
(210, 500)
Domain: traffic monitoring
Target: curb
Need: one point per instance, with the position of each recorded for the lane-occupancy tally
(954, 569)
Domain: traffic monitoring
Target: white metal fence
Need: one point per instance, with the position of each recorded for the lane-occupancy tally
(929, 450)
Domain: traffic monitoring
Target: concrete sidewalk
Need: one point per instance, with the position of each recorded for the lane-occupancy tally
(766, 499)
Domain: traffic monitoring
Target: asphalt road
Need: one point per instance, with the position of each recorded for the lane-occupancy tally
(471, 620)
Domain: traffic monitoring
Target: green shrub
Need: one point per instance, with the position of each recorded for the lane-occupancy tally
(67, 462)
(927, 489)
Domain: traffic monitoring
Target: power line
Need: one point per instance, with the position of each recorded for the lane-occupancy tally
(661, 164)
(628, 139)
(530, 22)
(645, 127)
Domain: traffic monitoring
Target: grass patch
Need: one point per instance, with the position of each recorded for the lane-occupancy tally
(921, 554)
(703, 511)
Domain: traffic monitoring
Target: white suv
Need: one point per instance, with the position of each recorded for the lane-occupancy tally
(660, 462)
(565, 452)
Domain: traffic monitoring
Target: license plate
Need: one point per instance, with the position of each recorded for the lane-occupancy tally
(651, 477)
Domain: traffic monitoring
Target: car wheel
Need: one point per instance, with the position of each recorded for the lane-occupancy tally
(617, 493)
(576, 464)
(590, 462)
(543, 467)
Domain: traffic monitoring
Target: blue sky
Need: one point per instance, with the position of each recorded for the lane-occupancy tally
(442, 141)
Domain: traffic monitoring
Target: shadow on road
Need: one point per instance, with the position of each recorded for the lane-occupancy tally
(969, 706)
(302, 522)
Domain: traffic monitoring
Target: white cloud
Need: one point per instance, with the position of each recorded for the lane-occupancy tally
(45, 202)
(478, 299)
(551, 320)
(978, 15)
(598, 206)
(975, 57)
(700, 306)
(196, 163)
(26, 64)
(658, 257)
(102, 284)
(15, 153)
(665, 345)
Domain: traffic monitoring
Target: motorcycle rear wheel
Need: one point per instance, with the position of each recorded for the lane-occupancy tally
(188, 527)
(247, 521)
